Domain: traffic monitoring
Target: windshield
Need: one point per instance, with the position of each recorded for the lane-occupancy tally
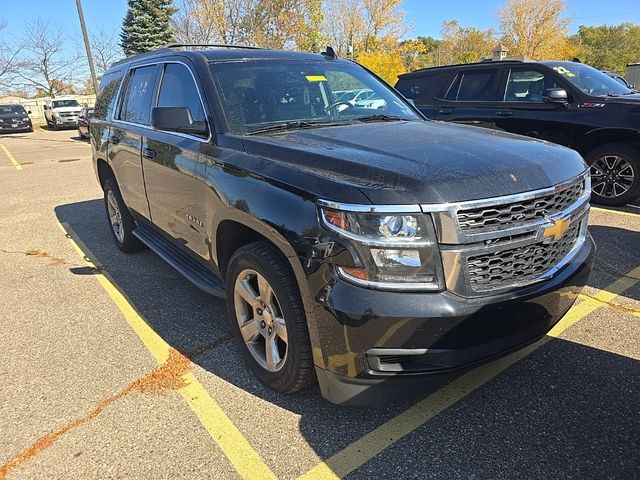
(64, 103)
(588, 79)
(12, 109)
(263, 93)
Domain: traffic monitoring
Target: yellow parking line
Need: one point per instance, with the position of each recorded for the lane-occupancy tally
(618, 212)
(237, 449)
(10, 157)
(359, 452)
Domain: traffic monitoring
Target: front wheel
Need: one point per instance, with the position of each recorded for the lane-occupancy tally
(615, 174)
(268, 319)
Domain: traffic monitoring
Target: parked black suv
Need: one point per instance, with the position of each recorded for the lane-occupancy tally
(364, 247)
(568, 103)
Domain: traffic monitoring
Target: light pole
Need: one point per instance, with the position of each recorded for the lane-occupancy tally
(87, 46)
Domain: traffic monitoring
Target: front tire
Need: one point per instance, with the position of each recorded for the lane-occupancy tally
(268, 319)
(121, 222)
(615, 174)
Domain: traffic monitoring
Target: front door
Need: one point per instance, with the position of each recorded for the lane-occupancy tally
(524, 112)
(170, 160)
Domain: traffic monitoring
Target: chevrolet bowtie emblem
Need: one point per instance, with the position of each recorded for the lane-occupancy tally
(557, 229)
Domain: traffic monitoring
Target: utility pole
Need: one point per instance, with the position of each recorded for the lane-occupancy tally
(87, 46)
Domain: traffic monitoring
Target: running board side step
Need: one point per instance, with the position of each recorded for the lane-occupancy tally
(184, 263)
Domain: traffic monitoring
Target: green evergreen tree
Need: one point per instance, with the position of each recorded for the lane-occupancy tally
(146, 25)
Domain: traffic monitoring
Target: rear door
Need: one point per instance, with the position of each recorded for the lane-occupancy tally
(125, 139)
(471, 98)
(170, 160)
(523, 111)
(424, 88)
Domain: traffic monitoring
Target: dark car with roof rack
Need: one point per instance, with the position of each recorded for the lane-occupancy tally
(569, 103)
(359, 246)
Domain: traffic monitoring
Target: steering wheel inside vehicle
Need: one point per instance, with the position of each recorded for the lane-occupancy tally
(328, 109)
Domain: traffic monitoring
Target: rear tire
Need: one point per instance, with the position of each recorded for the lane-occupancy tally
(615, 174)
(272, 316)
(121, 223)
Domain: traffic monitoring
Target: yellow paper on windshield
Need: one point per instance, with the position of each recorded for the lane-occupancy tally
(316, 78)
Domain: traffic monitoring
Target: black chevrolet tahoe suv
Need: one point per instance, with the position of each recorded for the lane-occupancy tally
(568, 103)
(365, 248)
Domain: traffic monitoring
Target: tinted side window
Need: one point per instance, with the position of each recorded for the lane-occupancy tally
(423, 90)
(108, 89)
(526, 85)
(179, 90)
(136, 105)
(476, 86)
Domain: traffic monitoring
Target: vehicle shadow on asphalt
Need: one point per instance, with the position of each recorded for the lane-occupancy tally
(567, 408)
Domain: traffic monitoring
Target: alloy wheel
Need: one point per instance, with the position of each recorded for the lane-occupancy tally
(611, 176)
(115, 217)
(261, 320)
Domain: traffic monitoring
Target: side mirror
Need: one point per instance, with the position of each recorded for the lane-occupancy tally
(556, 95)
(46, 107)
(176, 119)
(29, 112)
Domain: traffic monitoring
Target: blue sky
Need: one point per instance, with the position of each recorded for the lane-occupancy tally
(426, 16)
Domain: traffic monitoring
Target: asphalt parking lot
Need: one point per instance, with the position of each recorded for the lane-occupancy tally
(115, 366)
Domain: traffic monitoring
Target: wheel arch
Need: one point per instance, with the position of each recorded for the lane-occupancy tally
(603, 136)
(104, 171)
(235, 228)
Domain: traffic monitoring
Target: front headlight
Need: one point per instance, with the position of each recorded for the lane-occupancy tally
(393, 251)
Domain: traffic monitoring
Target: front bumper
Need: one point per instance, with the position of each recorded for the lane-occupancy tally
(66, 121)
(15, 127)
(376, 346)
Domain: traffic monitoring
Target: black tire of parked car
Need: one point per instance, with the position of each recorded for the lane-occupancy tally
(297, 372)
(627, 153)
(129, 242)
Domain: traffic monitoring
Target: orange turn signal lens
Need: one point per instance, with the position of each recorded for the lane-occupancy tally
(337, 219)
(358, 273)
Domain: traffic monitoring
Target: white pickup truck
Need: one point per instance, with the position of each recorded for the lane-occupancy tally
(62, 112)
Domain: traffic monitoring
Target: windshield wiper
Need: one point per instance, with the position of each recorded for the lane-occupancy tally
(281, 127)
(380, 118)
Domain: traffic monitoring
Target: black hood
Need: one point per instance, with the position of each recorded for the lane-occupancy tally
(633, 99)
(421, 162)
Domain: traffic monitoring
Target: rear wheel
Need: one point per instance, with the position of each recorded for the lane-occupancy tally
(615, 174)
(120, 220)
(268, 318)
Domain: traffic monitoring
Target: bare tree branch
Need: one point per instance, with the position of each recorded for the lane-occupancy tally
(46, 65)
(105, 49)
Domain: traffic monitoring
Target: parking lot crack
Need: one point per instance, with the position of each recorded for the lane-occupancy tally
(168, 376)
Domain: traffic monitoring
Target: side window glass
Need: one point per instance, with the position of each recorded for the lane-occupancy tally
(526, 85)
(107, 95)
(479, 86)
(136, 106)
(178, 89)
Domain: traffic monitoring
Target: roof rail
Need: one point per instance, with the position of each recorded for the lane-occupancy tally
(175, 46)
(481, 62)
(204, 45)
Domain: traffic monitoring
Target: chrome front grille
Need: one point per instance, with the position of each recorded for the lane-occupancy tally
(493, 245)
(502, 216)
(521, 265)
